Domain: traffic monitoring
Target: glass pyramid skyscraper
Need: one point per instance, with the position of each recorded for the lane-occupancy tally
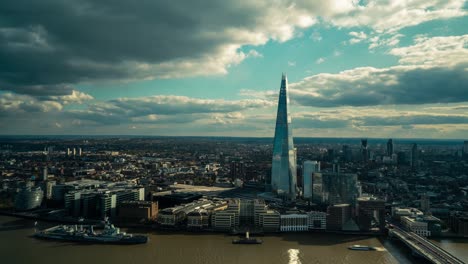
(283, 170)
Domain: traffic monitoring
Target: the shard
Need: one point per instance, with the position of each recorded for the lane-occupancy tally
(283, 170)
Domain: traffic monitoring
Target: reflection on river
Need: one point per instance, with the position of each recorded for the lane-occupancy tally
(16, 246)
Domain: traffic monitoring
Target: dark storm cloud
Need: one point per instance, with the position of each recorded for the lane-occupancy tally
(53, 42)
(395, 85)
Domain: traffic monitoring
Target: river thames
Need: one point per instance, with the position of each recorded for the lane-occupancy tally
(16, 246)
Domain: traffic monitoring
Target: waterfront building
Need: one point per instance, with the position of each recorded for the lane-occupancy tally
(424, 225)
(294, 222)
(246, 212)
(98, 203)
(174, 216)
(269, 221)
(317, 220)
(458, 223)
(418, 227)
(28, 198)
(398, 212)
(283, 171)
(134, 211)
(198, 219)
(223, 221)
(337, 216)
(309, 167)
(259, 208)
(370, 213)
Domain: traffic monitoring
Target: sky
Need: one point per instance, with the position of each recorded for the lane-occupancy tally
(356, 68)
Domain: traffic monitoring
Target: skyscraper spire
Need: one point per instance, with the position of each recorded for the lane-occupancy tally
(283, 170)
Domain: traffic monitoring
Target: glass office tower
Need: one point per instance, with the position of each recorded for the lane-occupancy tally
(283, 170)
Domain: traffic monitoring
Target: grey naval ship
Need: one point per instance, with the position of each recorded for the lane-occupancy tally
(86, 234)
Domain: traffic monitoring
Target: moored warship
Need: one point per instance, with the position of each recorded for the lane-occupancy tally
(86, 234)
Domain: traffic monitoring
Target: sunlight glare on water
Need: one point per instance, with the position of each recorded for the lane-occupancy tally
(294, 256)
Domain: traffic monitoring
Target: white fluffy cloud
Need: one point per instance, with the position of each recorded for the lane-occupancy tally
(435, 51)
(434, 70)
(12, 105)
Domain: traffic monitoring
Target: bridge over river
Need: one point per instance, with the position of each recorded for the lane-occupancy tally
(423, 247)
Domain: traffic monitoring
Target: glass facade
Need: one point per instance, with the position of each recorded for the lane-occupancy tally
(283, 171)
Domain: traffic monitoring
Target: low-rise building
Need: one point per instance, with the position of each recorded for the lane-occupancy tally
(131, 211)
(424, 226)
(294, 222)
(198, 219)
(174, 216)
(269, 221)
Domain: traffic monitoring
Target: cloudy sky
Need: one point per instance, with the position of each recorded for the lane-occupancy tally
(356, 68)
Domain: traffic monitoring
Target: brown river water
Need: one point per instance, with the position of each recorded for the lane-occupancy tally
(16, 246)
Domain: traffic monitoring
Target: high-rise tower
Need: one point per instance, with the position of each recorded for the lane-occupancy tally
(390, 147)
(283, 170)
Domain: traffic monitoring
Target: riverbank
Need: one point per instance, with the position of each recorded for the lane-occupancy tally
(16, 246)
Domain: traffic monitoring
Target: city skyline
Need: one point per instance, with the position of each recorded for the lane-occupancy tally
(370, 69)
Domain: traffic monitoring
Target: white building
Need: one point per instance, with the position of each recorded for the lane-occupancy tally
(418, 227)
(294, 222)
(309, 167)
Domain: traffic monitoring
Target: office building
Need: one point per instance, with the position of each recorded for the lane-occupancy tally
(308, 168)
(237, 170)
(339, 188)
(426, 226)
(317, 220)
(198, 219)
(425, 203)
(134, 211)
(364, 151)
(45, 174)
(283, 171)
(370, 213)
(390, 147)
(269, 221)
(28, 198)
(337, 216)
(458, 223)
(229, 218)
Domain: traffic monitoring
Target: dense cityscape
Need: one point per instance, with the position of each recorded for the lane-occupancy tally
(237, 185)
